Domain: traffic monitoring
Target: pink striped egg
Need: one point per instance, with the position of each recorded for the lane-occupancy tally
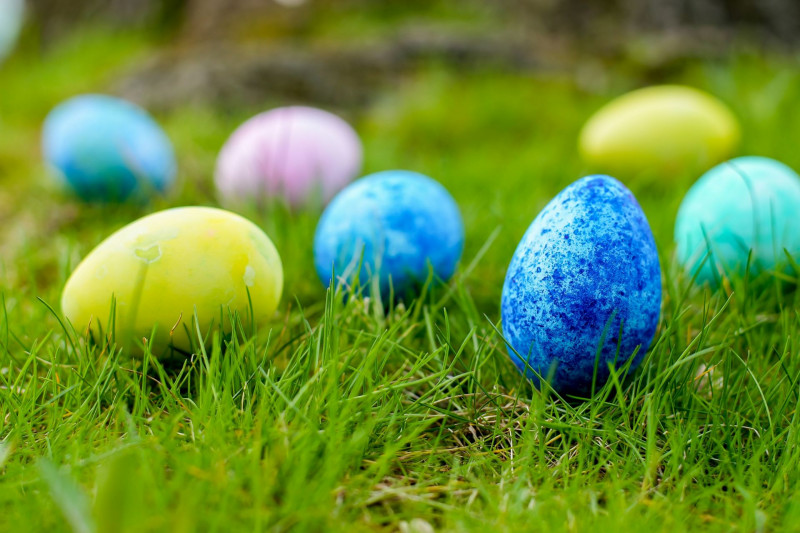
(301, 155)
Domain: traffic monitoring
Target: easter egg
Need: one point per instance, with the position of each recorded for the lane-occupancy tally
(659, 130)
(108, 149)
(745, 207)
(389, 230)
(301, 155)
(163, 268)
(583, 289)
(11, 16)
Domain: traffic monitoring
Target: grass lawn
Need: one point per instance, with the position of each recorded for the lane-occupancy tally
(338, 417)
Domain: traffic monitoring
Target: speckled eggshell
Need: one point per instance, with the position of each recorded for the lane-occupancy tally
(399, 222)
(745, 204)
(163, 267)
(660, 130)
(587, 264)
(11, 17)
(108, 149)
(300, 154)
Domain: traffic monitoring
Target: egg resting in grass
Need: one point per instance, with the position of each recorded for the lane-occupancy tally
(165, 266)
(11, 17)
(108, 149)
(663, 130)
(585, 280)
(301, 154)
(390, 229)
(743, 206)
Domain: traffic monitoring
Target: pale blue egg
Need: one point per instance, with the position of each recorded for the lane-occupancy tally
(11, 17)
(747, 206)
(392, 229)
(108, 149)
(583, 290)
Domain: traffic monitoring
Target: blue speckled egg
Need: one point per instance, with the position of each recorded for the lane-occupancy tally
(585, 279)
(395, 225)
(743, 205)
(108, 149)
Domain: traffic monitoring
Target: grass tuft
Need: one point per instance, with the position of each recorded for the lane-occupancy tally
(338, 416)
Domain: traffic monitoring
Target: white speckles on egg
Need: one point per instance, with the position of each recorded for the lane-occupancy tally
(249, 276)
(150, 236)
(151, 254)
(394, 227)
(397, 243)
(230, 296)
(584, 281)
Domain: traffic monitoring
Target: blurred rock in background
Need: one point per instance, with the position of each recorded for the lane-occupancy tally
(337, 52)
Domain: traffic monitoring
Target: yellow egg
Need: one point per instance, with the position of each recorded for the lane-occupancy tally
(659, 130)
(162, 268)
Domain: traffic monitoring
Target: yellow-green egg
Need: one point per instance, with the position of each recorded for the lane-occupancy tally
(660, 130)
(163, 268)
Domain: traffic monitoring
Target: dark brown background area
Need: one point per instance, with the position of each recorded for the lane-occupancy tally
(769, 20)
(226, 51)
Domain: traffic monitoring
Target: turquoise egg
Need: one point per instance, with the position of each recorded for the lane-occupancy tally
(748, 205)
(108, 149)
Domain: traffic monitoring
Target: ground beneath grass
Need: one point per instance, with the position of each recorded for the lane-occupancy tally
(338, 417)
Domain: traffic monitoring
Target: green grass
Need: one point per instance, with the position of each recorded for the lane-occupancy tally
(336, 417)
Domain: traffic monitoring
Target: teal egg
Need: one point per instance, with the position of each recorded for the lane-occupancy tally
(748, 205)
(108, 149)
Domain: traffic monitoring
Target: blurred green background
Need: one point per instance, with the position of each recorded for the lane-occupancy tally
(484, 97)
(487, 98)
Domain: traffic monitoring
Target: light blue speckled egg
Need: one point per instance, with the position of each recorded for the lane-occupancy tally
(392, 228)
(743, 205)
(108, 149)
(584, 282)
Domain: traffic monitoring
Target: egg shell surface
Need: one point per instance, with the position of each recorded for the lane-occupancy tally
(162, 267)
(300, 154)
(586, 267)
(399, 222)
(108, 149)
(746, 204)
(659, 130)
